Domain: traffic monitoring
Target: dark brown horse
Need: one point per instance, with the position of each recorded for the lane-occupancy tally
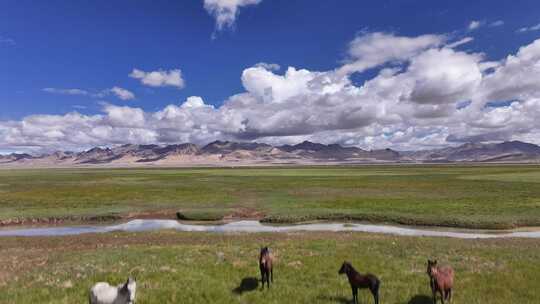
(266, 261)
(360, 281)
(441, 280)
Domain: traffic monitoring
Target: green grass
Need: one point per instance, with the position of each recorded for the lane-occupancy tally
(173, 267)
(202, 215)
(525, 177)
(484, 196)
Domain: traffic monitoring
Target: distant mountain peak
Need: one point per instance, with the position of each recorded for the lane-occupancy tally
(306, 152)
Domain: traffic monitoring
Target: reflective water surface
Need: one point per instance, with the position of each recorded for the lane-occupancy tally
(255, 226)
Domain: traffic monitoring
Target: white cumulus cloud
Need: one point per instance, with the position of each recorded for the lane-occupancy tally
(159, 78)
(7, 41)
(66, 91)
(496, 23)
(226, 11)
(424, 94)
(268, 66)
(372, 49)
(461, 41)
(122, 93)
(529, 28)
(475, 24)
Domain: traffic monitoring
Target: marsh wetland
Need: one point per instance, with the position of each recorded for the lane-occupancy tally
(173, 266)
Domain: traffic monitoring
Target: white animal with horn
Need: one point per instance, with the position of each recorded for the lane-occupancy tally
(103, 293)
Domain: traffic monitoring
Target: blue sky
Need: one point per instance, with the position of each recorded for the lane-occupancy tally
(49, 47)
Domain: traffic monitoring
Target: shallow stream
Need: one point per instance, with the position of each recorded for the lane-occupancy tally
(255, 226)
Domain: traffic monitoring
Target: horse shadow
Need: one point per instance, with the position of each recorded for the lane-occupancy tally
(420, 299)
(246, 285)
(336, 299)
(417, 299)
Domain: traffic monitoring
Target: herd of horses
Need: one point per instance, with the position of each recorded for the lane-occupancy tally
(441, 281)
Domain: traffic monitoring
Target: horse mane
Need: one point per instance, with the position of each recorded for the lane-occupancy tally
(352, 270)
(124, 289)
(264, 252)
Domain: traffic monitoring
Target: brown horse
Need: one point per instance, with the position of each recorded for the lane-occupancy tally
(266, 261)
(360, 281)
(441, 280)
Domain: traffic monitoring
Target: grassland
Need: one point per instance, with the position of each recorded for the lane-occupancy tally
(484, 196)
(174, 267)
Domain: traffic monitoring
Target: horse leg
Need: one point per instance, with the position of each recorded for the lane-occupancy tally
(441, 291)
(375, 297)
(262, 277)
(434, 294)
(355, 295)
(268, 278)
(272, 274)
(449, 294)
(375, 291)
(375, 294)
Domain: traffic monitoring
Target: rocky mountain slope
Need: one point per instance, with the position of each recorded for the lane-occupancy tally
(247, 153)
(512, 151)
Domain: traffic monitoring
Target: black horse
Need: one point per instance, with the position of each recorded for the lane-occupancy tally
(360, 281)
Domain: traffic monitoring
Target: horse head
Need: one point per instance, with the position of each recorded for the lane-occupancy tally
(345, 267)
(129, 289)
(264, 256)
(431, 267)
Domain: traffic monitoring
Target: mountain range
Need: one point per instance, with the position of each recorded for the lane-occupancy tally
(226, 153)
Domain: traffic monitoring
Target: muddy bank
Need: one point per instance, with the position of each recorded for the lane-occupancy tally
(86, 219)
(60, 220)
(193, 216)
(224, 216)
(417, 221)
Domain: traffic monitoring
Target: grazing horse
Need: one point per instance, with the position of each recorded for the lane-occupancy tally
(103, 293)
(360, 281)
(441, 280)
(266, 261)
